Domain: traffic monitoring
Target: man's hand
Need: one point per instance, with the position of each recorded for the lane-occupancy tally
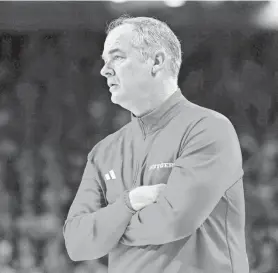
(143, 196)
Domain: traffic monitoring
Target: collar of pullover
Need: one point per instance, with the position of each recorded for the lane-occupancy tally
(161, 115)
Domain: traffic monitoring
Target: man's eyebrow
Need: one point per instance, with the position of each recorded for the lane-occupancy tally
(112, 51)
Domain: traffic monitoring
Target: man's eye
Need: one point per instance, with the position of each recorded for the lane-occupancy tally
(117, 57)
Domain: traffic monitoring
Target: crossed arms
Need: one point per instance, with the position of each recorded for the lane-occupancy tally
(209, 163)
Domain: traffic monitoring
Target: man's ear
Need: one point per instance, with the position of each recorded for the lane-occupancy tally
(159, 62)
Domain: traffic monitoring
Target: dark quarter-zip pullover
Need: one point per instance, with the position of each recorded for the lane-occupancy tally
(197, 224)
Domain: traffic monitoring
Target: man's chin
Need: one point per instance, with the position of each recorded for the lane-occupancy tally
(115, 98)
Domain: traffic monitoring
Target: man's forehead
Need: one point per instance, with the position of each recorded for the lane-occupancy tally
(120, 31)
(111, 43)
(118, 38)
(111, 48)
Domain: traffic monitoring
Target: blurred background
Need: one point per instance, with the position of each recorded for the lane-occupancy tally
(55, 106)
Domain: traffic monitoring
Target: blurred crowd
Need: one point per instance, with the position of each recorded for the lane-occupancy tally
(54, 107)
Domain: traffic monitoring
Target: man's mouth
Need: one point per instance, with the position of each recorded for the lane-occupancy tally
(112, 86)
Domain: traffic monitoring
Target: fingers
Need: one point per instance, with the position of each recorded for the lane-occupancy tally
(160, 187)
(158, 190)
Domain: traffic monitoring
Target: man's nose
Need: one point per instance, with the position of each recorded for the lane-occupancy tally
(107, 71)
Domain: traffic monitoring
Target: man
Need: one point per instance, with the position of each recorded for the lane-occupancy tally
(165, 192)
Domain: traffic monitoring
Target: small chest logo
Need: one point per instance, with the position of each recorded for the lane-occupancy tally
(110, 175)
(161, 165)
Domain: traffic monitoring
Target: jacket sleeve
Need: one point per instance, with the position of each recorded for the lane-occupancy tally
(92, 227)
(209, 163)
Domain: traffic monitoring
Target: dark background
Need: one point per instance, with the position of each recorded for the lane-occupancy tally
(55, 106)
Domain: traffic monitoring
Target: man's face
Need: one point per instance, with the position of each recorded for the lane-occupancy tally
(125, 67)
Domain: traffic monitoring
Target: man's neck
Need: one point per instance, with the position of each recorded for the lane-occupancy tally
(153, 102)
(150, 105)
